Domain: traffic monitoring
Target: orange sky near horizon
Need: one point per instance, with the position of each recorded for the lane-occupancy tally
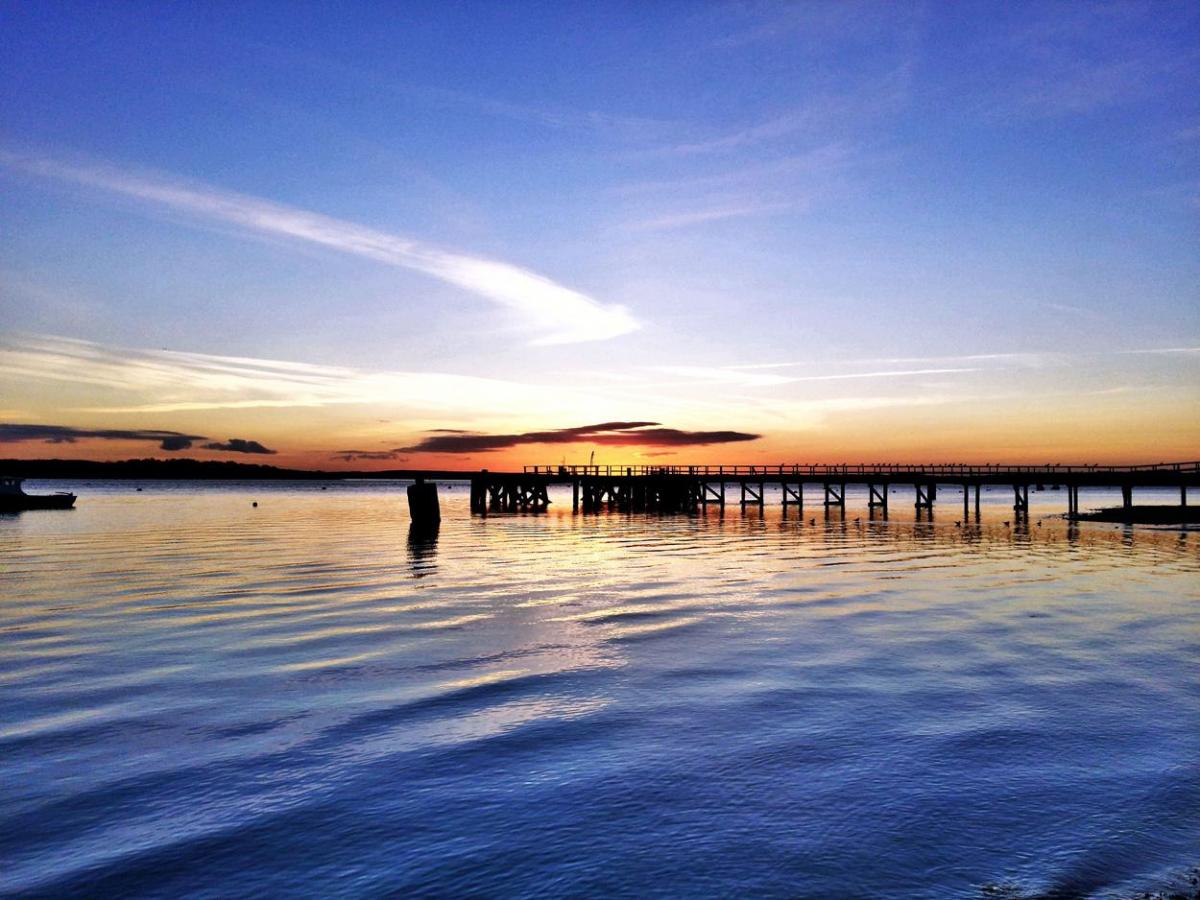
(1041, 411)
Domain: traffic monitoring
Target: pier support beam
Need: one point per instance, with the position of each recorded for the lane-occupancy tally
(748, 492)
(1021, 501)
(926, 494)
(878, 499)
(977, 503)
(835, 495)
(1127, 496)
(1072, 501)
(712, 494)
(793, 496)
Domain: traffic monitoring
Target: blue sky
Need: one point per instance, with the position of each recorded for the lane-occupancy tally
(940, 204)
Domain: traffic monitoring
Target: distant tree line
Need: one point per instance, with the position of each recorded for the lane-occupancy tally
(170, 469)
(188, 469)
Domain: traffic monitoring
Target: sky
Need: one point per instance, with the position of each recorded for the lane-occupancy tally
(481, 235)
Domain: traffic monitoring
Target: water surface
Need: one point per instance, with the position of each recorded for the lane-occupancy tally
(304, 698)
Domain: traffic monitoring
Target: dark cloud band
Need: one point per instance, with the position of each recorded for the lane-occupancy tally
(11, 433)
(611, 434)
(352, 455)
(63, 434)
(239, 445)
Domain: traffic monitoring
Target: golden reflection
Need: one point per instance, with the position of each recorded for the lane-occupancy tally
(482, 679)
(627, 632)
(310, 664)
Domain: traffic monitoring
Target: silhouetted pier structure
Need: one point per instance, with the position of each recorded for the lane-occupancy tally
(684, 488)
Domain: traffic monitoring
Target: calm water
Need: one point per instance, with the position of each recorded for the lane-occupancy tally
(200, 697)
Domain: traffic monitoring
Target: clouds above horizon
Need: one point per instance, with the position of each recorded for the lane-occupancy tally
(13, 433)
(239, 445)
(366, 455)
(171, 441)
(561, 315)
(609, 434)
(168, 381)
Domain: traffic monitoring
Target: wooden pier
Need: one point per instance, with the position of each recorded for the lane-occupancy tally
(687, 488)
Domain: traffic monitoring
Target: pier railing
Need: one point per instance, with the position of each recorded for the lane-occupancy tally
(964, 470)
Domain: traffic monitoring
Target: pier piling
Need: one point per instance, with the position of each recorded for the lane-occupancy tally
(423, 503)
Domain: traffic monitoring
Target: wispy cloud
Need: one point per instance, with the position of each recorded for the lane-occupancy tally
(1075, 59)
(1080, 87)
(743, 375)
(788, 184)
(711, 214)
(1073, 310)
(818, 117)
(1032, 360)
(1158, 350)
(602, 123)
(731, 375)
(561, 314)
(152, 381)
(817, 27)
(820, 162)
(599, 122)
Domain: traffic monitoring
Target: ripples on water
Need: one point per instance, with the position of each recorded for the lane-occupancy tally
(304, 698)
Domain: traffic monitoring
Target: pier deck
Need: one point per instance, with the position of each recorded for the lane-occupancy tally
(682, 488)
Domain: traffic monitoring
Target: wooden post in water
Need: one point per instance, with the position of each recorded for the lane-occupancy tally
(423, 503)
